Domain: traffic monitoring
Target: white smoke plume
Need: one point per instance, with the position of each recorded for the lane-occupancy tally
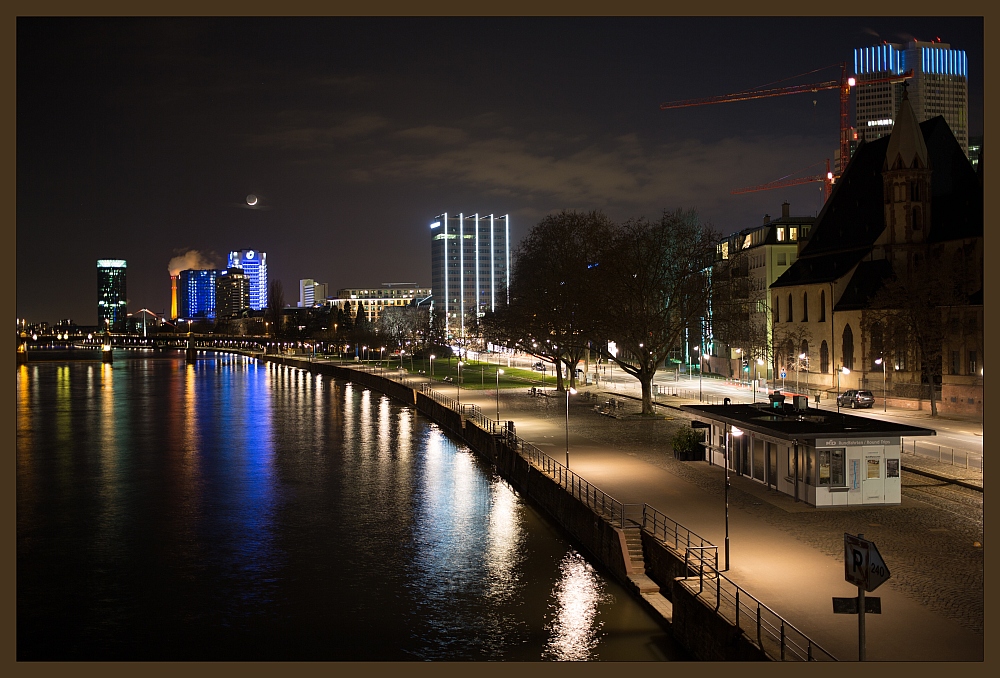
(192, 260)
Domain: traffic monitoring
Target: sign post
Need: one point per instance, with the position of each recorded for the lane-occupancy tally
(864, 567)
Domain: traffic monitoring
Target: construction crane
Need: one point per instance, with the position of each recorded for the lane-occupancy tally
(844, 84)
(826, 178)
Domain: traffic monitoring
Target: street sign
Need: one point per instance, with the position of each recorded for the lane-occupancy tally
(863, 564)
(873, 605)
(782, 374)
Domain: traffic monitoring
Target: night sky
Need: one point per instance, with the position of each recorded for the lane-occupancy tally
(140, 139)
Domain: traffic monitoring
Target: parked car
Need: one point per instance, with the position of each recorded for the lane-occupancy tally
(539, 366)
(853, 398)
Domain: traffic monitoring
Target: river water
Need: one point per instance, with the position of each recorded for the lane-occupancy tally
(233, 510)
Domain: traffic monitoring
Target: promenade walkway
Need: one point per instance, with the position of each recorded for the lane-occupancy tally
(786, 553)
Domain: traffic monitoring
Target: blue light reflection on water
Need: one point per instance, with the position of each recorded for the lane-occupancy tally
(236, 510)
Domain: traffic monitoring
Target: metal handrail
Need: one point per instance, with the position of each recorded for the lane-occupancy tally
(670, 532)
(774, 634)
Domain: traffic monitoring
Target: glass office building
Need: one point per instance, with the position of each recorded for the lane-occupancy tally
(254, 265)
(470, 266)
(112, 297)
(196, 294)
(939, 86)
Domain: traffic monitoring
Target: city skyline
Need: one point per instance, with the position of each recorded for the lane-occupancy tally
(143, 139)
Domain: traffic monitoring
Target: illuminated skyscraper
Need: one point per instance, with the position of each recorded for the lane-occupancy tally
(939, 86)
(470, 266)
(254, 265)
(196, 294)
(232, 293)
(112, 298)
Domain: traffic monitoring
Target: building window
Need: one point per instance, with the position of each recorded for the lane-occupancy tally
(781, 235)
(822, 306)
(781, 259)
(831, 468)
(972, 362)
(915, 191)
(805, 307)
(789, 308)
(824, 357)
(847, 350)
(954, 363)
(915, 219)
(777, 311)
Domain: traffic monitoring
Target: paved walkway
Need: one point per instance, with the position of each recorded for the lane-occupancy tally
(787, 554)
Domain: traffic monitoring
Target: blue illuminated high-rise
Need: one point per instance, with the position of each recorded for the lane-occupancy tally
(254, 265)
(112, 299)
(939, 86)
(470, 266)
(196, 294)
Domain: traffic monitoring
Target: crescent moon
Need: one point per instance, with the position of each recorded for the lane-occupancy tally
(251, 199)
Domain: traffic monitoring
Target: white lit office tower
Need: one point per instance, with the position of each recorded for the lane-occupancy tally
(470, 266)
(254, 265)
(939, 86)
(311, 293)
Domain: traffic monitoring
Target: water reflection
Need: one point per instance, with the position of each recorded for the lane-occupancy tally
(574, 627)
(229, 510)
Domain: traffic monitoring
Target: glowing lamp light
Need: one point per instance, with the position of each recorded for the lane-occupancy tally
(851, 82)
(844, 370)
(737, 432)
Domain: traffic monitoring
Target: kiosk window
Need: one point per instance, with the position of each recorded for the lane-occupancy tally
(831, 468)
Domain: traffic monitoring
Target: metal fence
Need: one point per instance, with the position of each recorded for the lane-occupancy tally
(945, 455)
(672, 534)
(775, 635)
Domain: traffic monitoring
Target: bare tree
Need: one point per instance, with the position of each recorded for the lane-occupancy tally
(653, 286)
(275, 305)
(912, 310)
(553, 311)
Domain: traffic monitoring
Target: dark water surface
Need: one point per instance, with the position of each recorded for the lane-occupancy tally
(232, 510)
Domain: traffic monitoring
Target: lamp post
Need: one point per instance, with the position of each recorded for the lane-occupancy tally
(881, 361)
(698, 349)
(458, 385)
(845, 371)
(797, 362)
(499, 372)
(401, 352)
(432, 365)
(735, 433)
(756, 375)
(568, 392)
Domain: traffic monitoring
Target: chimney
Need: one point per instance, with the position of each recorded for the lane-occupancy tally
(173, 297)
(767, 219)
(784, 210)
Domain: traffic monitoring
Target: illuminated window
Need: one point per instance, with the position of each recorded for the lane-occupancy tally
(781, 235)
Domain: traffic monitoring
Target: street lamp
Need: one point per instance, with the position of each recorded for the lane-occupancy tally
(401, 352)
(735, 433)
(881, 362)
(458, 385)
(432, 365)
(756, 374)
(568, 392)
(698, 349)
(845, 371)
(499, 372)
(802, 357)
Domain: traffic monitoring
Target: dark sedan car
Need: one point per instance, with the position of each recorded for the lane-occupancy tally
(854, 399)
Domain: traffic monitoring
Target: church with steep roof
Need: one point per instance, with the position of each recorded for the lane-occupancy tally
(887, 295)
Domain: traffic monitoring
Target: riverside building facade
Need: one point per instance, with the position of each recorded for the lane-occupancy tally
(470, 266)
